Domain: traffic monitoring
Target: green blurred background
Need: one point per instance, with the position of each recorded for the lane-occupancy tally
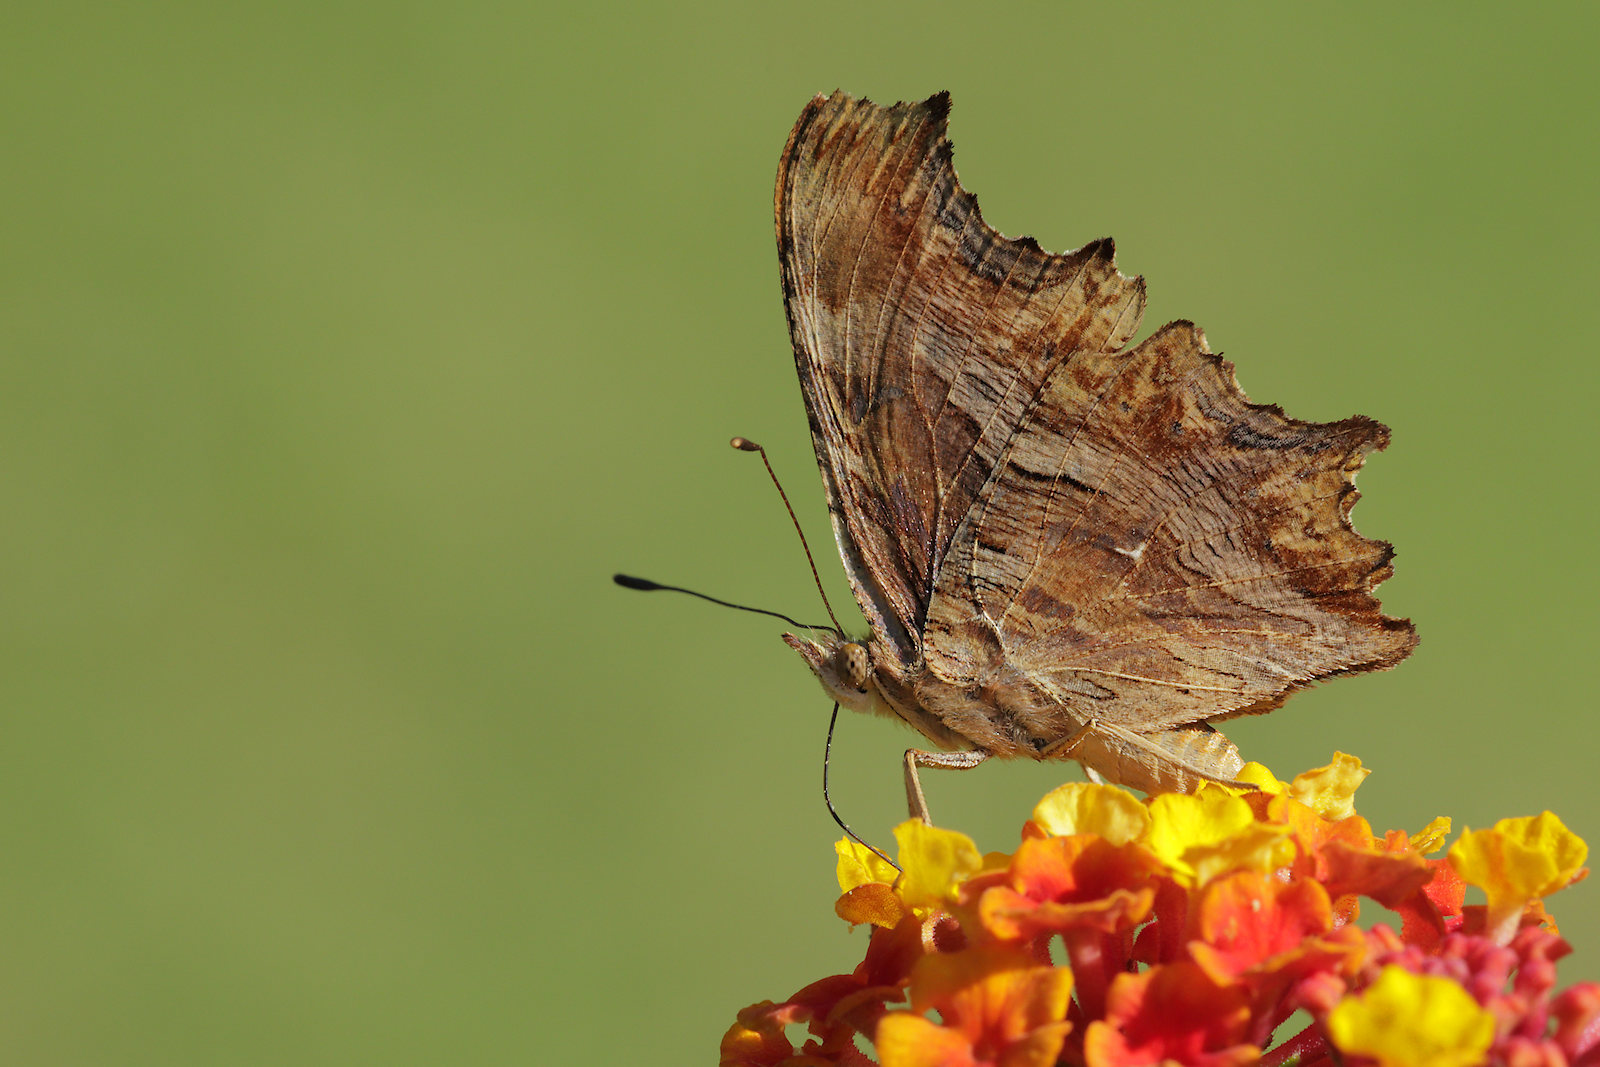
(350, 348)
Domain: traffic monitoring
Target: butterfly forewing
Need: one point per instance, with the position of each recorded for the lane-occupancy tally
(920, 334)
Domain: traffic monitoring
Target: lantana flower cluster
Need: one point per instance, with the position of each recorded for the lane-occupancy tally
(1189, 929)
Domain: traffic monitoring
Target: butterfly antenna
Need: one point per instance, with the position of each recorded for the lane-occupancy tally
(744, 444)
(827, 754)
(645, 585)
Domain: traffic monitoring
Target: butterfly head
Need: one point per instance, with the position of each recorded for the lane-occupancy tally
(844, 667)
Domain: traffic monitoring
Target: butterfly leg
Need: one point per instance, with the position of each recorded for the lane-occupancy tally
(916, 803)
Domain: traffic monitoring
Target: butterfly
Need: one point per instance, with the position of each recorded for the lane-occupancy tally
(1065, 547)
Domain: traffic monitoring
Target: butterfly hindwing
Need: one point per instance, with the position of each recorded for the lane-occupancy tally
(1156, 550)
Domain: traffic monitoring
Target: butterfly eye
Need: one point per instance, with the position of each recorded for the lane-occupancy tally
(855, 666)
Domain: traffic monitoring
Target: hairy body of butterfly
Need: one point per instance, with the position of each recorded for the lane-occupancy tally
(1065, 547)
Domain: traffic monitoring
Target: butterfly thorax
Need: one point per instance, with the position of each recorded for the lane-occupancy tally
(873, 684)
(999, 708)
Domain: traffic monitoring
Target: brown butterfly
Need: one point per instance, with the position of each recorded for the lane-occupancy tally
(1065, 548)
